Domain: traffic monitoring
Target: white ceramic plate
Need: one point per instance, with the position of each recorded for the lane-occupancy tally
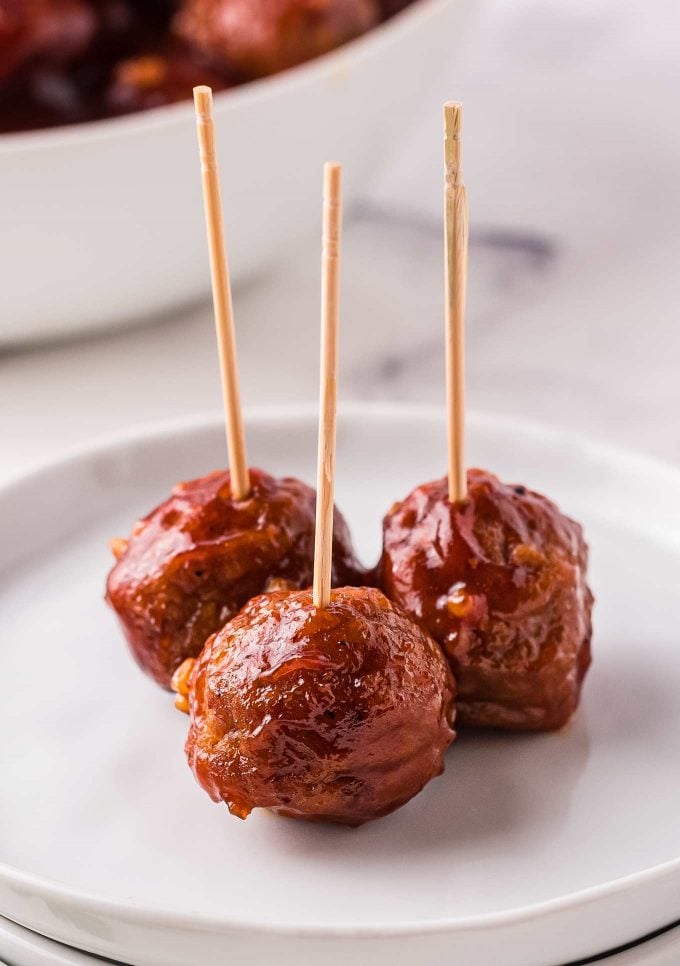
(528, 846)
(19, 947)
(108, 215)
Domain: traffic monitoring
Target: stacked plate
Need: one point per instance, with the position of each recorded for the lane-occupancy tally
(20, 947)
(530, 851)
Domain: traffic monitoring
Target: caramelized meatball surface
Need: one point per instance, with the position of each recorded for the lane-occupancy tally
(45, 30)
(260, 37)
(195, 560)
(164, 76)
(500, 582)
(339, 714)
(389, 8)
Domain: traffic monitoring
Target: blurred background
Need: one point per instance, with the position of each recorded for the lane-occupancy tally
(571, 145)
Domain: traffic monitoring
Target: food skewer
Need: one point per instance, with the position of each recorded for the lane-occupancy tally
(340, 708)
(328, 386)
(494, 572)
(456, 245)
(192, 563)
(221, 290)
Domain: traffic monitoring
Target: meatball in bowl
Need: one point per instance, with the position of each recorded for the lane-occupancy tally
(110, 200)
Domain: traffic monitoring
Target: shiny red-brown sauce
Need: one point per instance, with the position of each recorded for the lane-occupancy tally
(196, 559)
(500, 582)
(337, 714)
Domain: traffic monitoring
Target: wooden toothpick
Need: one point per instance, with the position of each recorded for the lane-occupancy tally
(221, 289)
(330, 303)
(456, 233)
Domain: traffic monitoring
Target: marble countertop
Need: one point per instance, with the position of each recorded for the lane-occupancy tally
(571, 160)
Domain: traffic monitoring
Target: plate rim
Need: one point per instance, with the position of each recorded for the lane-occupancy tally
(47, 888)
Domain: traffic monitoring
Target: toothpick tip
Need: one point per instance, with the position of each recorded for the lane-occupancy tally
(203, 100)
(332, 172)
(453, 118)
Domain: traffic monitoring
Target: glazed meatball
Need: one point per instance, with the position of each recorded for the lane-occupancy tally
(500, 582)
(193, 562)
(388, 8)
(53, 31)
(340, 714)
(162, 77)
(256, 38)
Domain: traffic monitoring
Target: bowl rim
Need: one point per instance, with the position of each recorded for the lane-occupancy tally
(329, 66)
(133, 913)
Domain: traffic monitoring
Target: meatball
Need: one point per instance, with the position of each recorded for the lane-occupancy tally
(193, 562)
(340, 714)
(161, 77)
(256, 38)
(390, 7)
(52, 31)
(500, 582)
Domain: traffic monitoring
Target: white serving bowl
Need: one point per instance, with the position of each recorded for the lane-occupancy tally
(102, 223)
